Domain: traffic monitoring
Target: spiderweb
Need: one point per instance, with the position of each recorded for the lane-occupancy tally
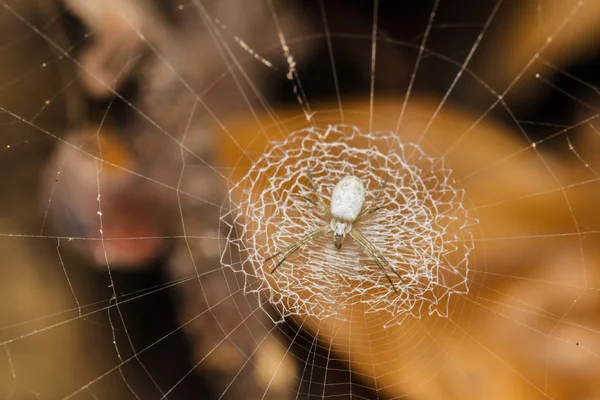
(422, 227)
(154, 153)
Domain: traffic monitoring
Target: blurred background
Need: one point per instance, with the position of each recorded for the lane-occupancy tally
(117, 123)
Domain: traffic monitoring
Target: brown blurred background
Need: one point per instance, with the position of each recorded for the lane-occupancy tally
(58, 318)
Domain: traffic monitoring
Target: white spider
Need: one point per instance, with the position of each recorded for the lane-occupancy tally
(347, 201)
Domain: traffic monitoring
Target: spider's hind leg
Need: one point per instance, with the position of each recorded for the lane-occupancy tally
(373, 207)
(312, 183)
(319, 202)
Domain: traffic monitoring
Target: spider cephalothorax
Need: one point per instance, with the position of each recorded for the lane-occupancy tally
(346, 208)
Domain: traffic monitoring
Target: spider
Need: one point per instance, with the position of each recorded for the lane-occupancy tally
(347, 202)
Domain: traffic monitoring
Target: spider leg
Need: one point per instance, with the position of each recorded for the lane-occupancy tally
(386, 275)
(292, 248)
(370, 210)
(312, 182)
(373, 207)
(380, 190)
(381, 261)
(319, 203)
(311, 201)
(381, 267)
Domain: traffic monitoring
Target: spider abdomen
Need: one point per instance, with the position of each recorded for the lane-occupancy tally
(348, 198)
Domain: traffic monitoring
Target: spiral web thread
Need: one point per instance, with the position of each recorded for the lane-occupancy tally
(423, 229)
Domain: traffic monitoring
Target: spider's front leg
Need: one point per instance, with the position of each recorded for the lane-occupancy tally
(292, 248)
(380, 260)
